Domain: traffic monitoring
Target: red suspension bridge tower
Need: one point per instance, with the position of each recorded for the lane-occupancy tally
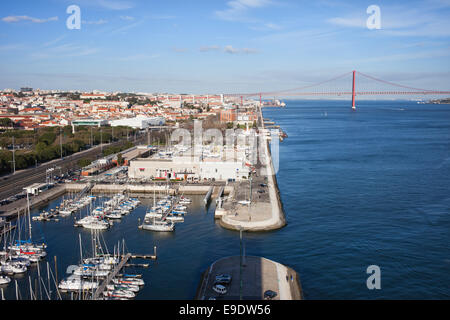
(353, 91)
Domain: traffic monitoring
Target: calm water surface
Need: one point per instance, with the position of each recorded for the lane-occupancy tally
(359, 188)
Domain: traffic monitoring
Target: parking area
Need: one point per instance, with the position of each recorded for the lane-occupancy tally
(258, 276)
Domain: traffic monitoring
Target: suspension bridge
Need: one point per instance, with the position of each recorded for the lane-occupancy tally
(351, 84)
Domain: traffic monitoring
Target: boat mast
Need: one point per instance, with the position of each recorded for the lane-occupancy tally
(29, 214)
(81, 250)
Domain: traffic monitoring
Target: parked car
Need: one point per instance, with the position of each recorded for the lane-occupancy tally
(5, 201)
(220, 289)
(269, 295)
(222, 279)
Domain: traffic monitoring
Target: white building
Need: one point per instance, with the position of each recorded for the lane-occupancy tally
(187, 168)
(139, 122)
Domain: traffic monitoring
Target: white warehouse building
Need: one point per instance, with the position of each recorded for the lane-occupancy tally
(139, 122)
(186, 168)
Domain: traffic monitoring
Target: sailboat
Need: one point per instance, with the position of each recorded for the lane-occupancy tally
(26, 248)
(4, 280)
(158, 225)
(184, 200)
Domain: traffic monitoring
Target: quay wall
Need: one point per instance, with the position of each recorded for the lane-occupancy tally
(12, 210)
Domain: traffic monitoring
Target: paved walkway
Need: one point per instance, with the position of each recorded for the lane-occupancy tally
(261, 215)
(258, 275)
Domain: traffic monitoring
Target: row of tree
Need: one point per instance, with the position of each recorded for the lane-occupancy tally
(52, 143)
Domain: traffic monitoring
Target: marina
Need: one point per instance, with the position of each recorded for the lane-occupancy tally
(316, 237)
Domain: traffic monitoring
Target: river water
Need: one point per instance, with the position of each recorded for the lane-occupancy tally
(361, 188)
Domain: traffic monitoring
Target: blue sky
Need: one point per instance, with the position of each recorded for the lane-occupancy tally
(206, 46)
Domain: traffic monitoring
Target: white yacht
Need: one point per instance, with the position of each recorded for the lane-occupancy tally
(119, 294)
(75, 283)
(90, 271)
(4, 280)
(158, 225)
(174, 218)
(184, 200)
(12, 268)
(96, 225)
(129, 281)
(114, 215)
(128, 287)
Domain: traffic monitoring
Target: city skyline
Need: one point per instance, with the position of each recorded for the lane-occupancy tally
(227, 46)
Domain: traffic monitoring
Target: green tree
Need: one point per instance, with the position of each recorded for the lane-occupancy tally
(120, 159)
(6, 122)
(84, 162)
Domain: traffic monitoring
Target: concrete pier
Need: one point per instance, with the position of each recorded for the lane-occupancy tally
(254, 209)
(12, 210)
(258, 275)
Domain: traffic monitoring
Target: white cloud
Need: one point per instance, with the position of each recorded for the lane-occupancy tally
(209, 48)
(348, 22)
(115, 4)
(249, 51)
(54, 41)
(401, 21)
(229, 49)
(11, 19)
(180, 50)
(98, 22)
(128, 18)
(162, 17)
(266, 27)
(137, 57)
(64, 50)
(238, 8)
(9, 47)
(127, 27)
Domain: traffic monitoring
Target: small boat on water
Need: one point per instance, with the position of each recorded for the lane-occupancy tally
(150, 215)
(119, 294)
(76, 283)
(4, 280)
(128, 287)
(158, 225)
(12, 268)
(90, 271)
(177, 213)
(113, 215)
(184, 200)
(45, 215)
(128, 281)
(96, 225)
(65, 212)
(174, 218)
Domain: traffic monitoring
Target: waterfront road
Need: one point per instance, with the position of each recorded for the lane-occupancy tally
(14, 183)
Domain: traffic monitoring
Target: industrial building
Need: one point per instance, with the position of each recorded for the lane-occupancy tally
(133, 153)
(187, 168)
(89, 122)
(36, 188)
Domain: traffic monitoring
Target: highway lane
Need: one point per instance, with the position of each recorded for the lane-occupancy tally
(13, 184)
